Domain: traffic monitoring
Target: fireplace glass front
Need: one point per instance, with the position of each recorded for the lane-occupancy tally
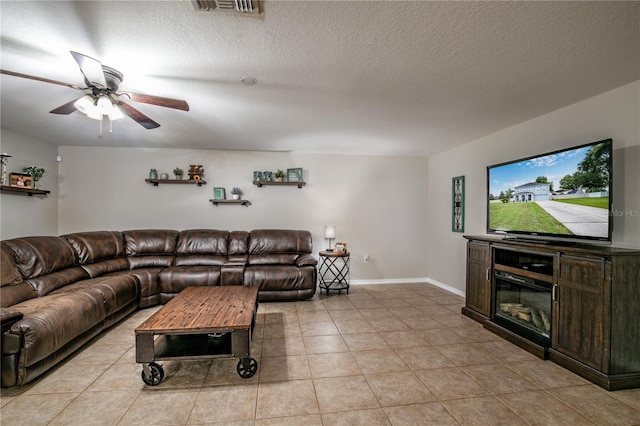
(523, 305)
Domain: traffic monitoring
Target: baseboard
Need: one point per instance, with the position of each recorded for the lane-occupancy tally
(411, 281)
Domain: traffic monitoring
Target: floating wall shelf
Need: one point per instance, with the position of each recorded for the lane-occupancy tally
(241, 202)
(261, 183)
(30, 192)
(155, 182)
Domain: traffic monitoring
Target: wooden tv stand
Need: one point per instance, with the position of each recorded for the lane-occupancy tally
(595, 304)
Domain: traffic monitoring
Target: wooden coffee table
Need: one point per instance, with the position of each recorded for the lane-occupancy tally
(200, 322)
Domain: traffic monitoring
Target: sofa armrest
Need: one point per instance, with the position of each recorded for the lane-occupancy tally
(232, 273)
(306, 260)
(8, 317)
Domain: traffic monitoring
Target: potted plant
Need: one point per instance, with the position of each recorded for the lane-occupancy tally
(236, 193)
(178, 172)
(279, 176)
(35, 172)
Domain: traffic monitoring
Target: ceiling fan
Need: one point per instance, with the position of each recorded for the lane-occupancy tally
(101, 96)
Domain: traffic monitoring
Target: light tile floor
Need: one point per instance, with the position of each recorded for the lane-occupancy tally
(382, 355)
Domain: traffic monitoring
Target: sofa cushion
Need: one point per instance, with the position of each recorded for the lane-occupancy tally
(36, 256)
(177, 278)
(278, 246)
(147, 248)
(115, 291)
(238, 246)
(13, 289)
(201, 247)
(280, 277)
(99, 252)
(46, 263)
(51, 322)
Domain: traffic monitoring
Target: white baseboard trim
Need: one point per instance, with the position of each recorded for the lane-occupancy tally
(411, 281)
(446, 287)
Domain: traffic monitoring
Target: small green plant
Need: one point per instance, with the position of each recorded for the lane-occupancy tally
(35, 172)
(178, 171)
(236, 191)
(279, 174)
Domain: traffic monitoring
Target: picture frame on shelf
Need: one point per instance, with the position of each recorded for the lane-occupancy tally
(258, 176)
(21, 180)
(267, 176)
(457, 204)
(219, 194)
(295, 175)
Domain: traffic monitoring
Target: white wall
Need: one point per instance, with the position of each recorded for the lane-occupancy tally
(615, 114)
(378, 204)
(23, 215)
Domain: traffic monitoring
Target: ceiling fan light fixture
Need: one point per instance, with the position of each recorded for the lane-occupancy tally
(97, 108)
(85, 104)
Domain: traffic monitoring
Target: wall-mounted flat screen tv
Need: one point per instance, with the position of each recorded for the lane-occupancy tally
(564, 194)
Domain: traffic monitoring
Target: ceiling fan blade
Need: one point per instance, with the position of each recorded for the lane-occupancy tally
(136, 115)
(67, 108)
(91, 69)
(33, 77)
(158, 100)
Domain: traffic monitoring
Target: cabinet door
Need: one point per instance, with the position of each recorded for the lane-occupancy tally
(479, 277)
(579, 318)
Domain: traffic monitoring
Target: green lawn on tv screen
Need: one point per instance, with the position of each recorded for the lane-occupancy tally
(600, 202)
(527, 217)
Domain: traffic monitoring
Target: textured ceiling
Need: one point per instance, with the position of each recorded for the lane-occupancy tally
(379, 78)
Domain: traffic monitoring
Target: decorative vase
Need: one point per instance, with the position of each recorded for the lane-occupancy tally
(164, 176)
(236, 196)
(153, 174)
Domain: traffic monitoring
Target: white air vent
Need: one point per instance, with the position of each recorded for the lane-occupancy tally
(227, 6)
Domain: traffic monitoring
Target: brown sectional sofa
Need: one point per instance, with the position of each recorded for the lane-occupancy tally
(57, 293)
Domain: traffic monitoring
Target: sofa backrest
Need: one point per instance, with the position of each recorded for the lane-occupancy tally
(147, 248)
(238, 246)
(278, 246)
(47, 263)
(201, 247)
(13, 289)
(99, 252)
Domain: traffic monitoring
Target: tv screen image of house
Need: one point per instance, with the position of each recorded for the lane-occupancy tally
(565, 194)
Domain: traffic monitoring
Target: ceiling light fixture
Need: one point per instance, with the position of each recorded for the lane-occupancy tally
(96, 107)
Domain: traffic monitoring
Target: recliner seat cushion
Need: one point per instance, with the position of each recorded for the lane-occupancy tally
(51, 322)
(116, 292)
(279, 278)
(177, 278)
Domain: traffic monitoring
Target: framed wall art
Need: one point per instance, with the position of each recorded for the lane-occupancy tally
(21, 180)
(294, 175)
(457, 204)
(219, 194)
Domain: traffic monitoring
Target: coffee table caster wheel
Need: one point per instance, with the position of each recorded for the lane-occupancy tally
(153, 374)
(247, 367)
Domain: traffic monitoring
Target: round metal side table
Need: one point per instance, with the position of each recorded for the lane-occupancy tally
(334, 271)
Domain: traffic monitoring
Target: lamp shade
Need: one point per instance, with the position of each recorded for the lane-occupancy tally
(329, 231)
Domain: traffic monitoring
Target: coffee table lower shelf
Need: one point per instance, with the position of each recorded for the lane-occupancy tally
(192, 347)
